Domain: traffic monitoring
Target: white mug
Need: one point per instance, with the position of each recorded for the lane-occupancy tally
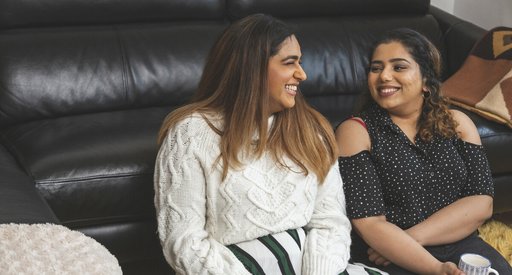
(474, 264)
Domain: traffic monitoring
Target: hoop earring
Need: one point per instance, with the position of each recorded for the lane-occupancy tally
(427, 94)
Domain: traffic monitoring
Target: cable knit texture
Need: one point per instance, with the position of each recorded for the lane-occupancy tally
(198, 214)
(52, 249)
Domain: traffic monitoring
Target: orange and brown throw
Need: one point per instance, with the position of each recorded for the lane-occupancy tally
(484, 82)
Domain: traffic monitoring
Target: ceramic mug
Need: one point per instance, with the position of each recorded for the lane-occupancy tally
(474, 264)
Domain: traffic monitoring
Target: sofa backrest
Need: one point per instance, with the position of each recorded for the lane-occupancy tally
(70, 57)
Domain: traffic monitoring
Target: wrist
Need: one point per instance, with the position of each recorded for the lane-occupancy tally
(415, 236)
(427, 266)
(437, 268)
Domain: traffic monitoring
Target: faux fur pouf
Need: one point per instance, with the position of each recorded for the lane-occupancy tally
(499, 236)
(52, 249)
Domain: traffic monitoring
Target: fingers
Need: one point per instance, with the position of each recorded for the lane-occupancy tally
(450, 268)
(376, 258)
(382, 261)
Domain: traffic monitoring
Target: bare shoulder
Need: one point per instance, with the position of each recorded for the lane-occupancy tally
(352, 137)
(466, 129)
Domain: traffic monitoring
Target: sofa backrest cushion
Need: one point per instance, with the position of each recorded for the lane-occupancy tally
(15, 13)
(315, 8)
(125, 62)
(58, 72)
(38, 13)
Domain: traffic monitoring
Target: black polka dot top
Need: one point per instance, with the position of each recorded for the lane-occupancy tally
(408, 182)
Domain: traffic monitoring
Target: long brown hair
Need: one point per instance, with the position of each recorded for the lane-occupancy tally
(435, 117)
(234, 85)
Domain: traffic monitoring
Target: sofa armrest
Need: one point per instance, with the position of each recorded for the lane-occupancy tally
(459, 36)
(19, 200)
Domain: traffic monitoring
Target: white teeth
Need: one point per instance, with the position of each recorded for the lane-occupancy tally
(388, 90)
(291, 87)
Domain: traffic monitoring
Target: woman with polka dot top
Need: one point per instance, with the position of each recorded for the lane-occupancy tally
(416, 178)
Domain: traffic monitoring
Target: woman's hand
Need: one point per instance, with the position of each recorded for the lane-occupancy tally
(376, 258)
(449, 268)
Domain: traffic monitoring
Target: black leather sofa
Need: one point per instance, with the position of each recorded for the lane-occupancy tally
(85, 85)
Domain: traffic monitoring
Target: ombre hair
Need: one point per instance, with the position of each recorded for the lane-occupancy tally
(435, 118)
(234, 84)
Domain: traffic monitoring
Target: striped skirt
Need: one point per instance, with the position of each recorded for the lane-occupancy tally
(281, 253)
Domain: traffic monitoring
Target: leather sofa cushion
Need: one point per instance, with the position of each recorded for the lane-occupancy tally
(75, 12)
(108, 68)
(19, 201)
(502, 191)
(496, 139)
(134, 243)
(305, 8)
(28, 13)
(71, 71)
(95, 168)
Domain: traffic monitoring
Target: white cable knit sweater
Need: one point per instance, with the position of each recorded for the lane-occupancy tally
(198, 214)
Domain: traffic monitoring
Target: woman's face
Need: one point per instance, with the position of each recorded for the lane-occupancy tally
(284, 75)
(395, 79)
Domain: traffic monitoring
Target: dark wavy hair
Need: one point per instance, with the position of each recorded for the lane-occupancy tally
(435, 117)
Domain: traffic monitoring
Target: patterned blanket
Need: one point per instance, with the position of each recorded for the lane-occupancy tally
(484, 82)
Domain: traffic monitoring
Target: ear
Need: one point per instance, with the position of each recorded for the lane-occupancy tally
(424, 87)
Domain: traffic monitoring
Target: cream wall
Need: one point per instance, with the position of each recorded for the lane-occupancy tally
(446, 5)
(484, 13)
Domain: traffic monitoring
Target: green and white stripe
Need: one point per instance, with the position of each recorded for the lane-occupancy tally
(281, 253)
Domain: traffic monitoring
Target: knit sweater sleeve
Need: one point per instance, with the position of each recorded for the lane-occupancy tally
(327, 248)
(180, 201)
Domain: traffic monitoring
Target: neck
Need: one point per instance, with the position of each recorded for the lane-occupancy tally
(407, 115)
(408, 123)
(409, 119)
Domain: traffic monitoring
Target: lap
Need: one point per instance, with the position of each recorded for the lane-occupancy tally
(471, 244)
(281, 253)
(363, 269)
(449, 252)
(390, 269)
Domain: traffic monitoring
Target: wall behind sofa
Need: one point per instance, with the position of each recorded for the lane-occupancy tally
(486, 14)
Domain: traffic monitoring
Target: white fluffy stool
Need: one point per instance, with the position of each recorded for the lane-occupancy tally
(52, 249)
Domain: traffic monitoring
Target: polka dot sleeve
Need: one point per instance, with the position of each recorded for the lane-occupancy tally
(479, 179)
(362, 186)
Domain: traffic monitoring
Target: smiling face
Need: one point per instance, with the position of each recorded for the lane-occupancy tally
(284, 75)
(395, 79)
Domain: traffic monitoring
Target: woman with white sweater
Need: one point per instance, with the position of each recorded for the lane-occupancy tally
(240, 187)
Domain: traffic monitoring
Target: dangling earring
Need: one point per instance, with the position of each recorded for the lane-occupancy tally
(427, 94)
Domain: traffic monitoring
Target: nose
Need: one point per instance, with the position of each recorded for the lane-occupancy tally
(386, 75)
(300, 74)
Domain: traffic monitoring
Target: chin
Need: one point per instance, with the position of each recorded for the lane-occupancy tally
(289, 106)
(386, 104)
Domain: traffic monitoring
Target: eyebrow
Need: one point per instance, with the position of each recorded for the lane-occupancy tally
(294, 57)
(391, 60)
